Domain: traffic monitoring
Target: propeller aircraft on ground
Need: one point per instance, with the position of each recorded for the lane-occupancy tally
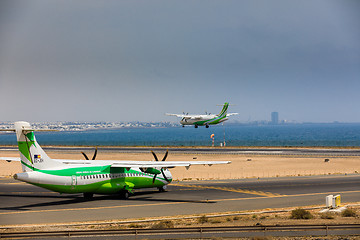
(90, 177)
(204, 120)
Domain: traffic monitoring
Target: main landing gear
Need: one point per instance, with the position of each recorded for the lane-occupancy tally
(124, 194)
(162, 189)
(196, 126)
(207, 126)
(88, 196)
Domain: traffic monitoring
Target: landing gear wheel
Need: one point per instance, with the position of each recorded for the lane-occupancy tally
(196, 126)
(162, 189)
(207, 126)
(88, 196)
(124, 195)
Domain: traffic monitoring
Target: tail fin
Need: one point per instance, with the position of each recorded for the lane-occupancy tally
(32, 155)
(224, 110)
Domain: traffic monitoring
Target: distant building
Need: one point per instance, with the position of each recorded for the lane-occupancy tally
(274, 118)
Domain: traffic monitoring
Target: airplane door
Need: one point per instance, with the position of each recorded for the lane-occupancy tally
(73, 181)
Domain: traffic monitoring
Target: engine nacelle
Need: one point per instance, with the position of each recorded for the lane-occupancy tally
(150, 170)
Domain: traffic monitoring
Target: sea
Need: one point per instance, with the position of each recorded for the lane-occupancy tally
(286, 135)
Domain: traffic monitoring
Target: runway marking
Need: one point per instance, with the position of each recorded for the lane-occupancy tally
(15, 183)
(28, 193)
(238, 190)
(171, 203)
(296, 195)
(91, 208)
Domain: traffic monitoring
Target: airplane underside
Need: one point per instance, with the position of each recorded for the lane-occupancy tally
(205, 123)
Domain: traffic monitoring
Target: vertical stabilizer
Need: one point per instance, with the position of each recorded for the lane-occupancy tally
(224, 110)
(32, 155)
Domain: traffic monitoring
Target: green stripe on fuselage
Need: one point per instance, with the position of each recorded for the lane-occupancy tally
(109, 186)
(137, 179)
(212, 121)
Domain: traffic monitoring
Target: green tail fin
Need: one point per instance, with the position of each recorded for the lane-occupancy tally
(32, 156)
(224, 110)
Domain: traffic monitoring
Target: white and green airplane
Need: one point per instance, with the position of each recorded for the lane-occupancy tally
(204, 120)
(89, 177)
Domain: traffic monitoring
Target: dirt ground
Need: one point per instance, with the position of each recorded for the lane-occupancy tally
(242, 166)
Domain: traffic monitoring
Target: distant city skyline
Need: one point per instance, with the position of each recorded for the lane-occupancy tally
(137, 60)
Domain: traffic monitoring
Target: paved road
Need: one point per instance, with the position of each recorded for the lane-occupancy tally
(208, 150)
(24, 204)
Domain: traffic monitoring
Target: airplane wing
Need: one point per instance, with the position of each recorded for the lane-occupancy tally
(142, 164)
(168, 164)
(10, 159)
(176, 115)
(130, 164)
(185, 116)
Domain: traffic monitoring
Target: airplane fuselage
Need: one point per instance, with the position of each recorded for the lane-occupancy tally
(203, 120)
(94, 179)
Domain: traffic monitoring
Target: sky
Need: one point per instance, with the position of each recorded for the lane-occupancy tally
(137, 60)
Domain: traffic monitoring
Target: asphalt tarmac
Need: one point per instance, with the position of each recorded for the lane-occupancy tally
(22, 203)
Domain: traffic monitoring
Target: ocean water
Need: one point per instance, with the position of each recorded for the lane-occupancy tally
(235, 135)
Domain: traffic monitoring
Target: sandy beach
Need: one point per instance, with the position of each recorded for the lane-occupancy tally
(242, 166)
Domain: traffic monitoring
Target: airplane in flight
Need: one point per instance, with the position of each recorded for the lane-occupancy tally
(90, 177)
(204, 120)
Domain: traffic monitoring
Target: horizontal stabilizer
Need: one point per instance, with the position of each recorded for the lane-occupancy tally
(10, 159)
(29, 130)
(141, 164)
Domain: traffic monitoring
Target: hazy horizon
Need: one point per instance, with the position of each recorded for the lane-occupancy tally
(124, 61)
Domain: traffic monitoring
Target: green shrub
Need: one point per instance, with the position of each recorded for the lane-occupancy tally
(327, 215)
(348, 213)
(216, 221)
(300, 213)
(203, 219)
(134, 225)
(163, 224)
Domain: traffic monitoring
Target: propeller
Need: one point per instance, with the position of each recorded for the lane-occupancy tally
(162, 171)
(93, 158)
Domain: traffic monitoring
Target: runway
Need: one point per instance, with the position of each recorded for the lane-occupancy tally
(210, 150)
(26, 204)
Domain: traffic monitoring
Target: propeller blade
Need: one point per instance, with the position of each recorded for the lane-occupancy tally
(162, 171)
(93, 158)
(156, 159)
(166, 154)
(86, 157)
(154, 178)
